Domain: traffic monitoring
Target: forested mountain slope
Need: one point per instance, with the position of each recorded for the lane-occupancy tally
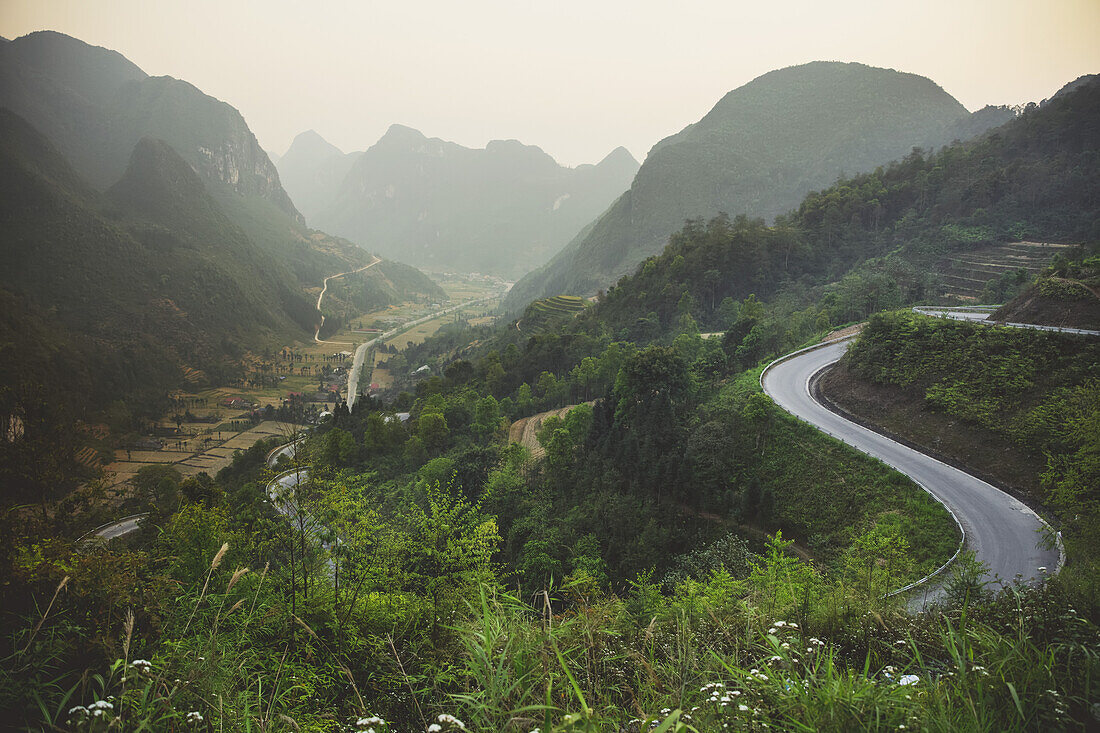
(95, 105)
(153, 272)
(759, 151)
(1034, 178)
(503, 209)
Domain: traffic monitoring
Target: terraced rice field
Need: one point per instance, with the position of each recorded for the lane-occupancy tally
(965, 274)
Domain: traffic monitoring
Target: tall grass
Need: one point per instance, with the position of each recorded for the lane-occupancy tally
(1018, 664)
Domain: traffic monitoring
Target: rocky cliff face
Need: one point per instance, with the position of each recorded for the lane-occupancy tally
(95, 106)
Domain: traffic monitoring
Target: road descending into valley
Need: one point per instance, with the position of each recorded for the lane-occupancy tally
(1002, 531)
(321, 297)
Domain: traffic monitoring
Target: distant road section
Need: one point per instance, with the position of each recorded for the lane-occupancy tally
(1002, 531)
(982, 313)
(114, 530)
(361, 352)
(525, 430)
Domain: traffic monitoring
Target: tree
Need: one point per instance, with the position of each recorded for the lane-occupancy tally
(454, 544)
(338, 448)
(433, 432)
(782, 582)
(487, 417)
(583, 376)
(158, 485)
(548, 388)
(876, 560)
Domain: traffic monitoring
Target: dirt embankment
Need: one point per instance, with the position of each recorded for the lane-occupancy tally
(903, 415)
(525, 430)
(1032, 306)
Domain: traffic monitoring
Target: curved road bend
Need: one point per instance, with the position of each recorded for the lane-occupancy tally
(317, 333)
(1002, 531)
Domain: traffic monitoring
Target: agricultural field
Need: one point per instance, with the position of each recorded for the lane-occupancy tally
(207, 450)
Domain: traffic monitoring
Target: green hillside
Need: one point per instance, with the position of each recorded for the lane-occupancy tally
(759, 151)
(1065, 294)
(883, 238)
(1018, 406)
(154, 262)
(152, 272)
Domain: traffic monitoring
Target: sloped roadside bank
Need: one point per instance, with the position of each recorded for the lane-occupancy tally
(902, 418)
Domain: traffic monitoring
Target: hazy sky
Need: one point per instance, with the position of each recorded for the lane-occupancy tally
(575, 78)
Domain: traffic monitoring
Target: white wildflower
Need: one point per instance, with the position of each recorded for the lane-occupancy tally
(445, 718)
(194, 717)
(435, 728)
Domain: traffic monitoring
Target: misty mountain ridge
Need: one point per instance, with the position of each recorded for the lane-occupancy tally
(925, 228)
(147, 281)
(116, 269)
(759, 151)
(312, 171)
(501, 209)
(96, 106)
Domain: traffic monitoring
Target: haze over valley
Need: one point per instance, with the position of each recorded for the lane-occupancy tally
(516, 368)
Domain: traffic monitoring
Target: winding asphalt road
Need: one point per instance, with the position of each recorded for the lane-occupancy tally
(1003, 532)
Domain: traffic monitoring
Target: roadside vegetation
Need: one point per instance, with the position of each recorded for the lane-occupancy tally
(1033, 396)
